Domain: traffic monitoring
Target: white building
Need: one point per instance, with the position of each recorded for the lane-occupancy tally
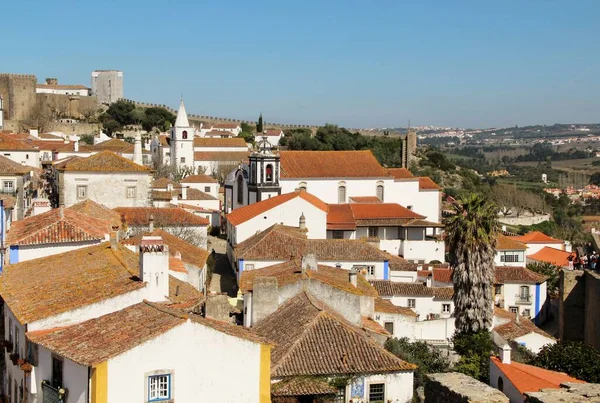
(107, 85)
(272, 135)
(52, 87)
(182, 140)
(80, 323)
(509, 252)
(536, 241)
(204, 183)
(106, 178)
(16, 181)
(520, 290)
(18, 151)
(513, 327)
(234, 128)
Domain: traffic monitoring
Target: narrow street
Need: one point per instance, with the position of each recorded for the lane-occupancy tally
(223, 278)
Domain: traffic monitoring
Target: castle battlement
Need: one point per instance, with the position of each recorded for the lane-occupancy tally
(12, 75)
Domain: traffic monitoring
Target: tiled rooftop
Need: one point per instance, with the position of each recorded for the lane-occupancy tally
(310, 339)
(105, 161)
(536, 237)
(198, 179)
(163, 217)
(387, 288)
(509, 243)
(426, 183)
(400, 173)
(513, 329)
(521, 275)
(302, 386)
(349, 216)
(97, 211)
(330, 164)
(386, 306)
(551, 255)
(365, 199)
(440, 275)
(9, 167)
(219, 142)
(230, 156)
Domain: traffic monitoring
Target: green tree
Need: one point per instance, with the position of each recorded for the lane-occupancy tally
(118, 115)
(475, 349)
(579, 360)
(259, 124)
(427, 358)
(549, 270)
(159, 118)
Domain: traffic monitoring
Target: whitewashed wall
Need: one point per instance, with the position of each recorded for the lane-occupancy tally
(31, 158)
(508, 388)
(534, 341)
(28, 252)
(398, 387)
(423, 305)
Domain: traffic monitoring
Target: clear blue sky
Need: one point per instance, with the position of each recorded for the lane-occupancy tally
(369, 63)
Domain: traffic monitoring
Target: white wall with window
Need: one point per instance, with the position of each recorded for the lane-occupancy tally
(426, 307)
(514, 258)
(528, 299)
(23, 157)
(392, 387)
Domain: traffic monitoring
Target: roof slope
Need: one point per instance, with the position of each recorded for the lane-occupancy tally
(439, 274)
(189, 253)
(40, 288)
(550, 255)
(400, 173)
(302, 386)
(291, 272)
(220, 142)
(349, 216)
(536, 237)
(105, 161)
(97, 340)
(198, 179)
(527, 378)
(114, 145)
(55, 226)
(8, 166)
(387, 288)
(243, 214)
(312, 340)
(509, 243)
(330, 164)
(426, 183)
(98, 211)
(163, 216)
(386, 306)
(509, 274)
(513, 329)
(230, 156)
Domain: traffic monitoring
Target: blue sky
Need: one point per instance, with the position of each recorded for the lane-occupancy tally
(369, 63)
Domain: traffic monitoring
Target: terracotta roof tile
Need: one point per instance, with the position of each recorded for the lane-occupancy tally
(230, 156)
(550, 255)
(231, 329)
(198, 179)
(9, 201)
(163, 217)
(536, 237)
(189, 253)
(9, 167)
(243, 214)
(513, 330)
(177, 265)
(387, 288)
(386, 306)
(105, 161)
(426, 183)
(195, 194)
(163, 183)
(527, 378)
(509, 243)
(220, 142)
(312, 340)
(302, 386)
(98, 211)
(365, 199)
(163, 195)
(56, 227)
(440, 275)
(10, 143)
(181, 291)
(349, 216)
(40, 288)
(220, 133)
(340, 217)
(291, 272)
(114, 145)
(522, 275)
(370, 325)
(97, 340)
(400, 173)
(382, 211)
(330, 164)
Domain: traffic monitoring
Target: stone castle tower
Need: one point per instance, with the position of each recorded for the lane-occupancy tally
(409, 148)
(18, 94)
(182, 140)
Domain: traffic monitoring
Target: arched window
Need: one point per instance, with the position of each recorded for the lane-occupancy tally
(240, 190)
(500, 384)
(184, 134)
(380, 191)
(524, 293)
(269, 172)
(342, 194)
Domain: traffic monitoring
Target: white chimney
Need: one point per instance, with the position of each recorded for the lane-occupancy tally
(505, 354)
(184, 193)
(178, 255)
(151, 223)
(137, 149)
(429, 279)
(154, 268)
(76, 146)
(504, 228)
(309, 262)
(34, 132)
(353, 276)
(302, 222)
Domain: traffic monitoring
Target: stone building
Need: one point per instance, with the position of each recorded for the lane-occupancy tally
(107, 85)
(18, 93)
(409, 148)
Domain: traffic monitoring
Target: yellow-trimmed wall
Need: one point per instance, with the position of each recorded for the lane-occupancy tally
(100, 383)
(264, 389)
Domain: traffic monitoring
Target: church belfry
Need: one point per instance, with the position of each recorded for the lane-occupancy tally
(263, 180)
(182, 140)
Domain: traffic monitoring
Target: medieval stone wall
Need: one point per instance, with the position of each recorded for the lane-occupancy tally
(579, 307)
(18, 93)
(454, 387)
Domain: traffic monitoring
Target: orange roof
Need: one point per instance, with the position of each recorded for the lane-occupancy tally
(220, 142)
(330, 164)
(198, 179)
(229, 126)
(236, 156)
(550, 255)
(243, 214)
(509, 243)
(98, 211)
(365, 199)
(383, 210)
(536, 237)
(163, 217)
(348, 216)
(426, 183)
(105, 161)
(386, 306)
(340, 217)
(441, 275)
(400, 173)
(10, 143)
(527, 378)
(176, 264)
(270, 132)
(519, 275)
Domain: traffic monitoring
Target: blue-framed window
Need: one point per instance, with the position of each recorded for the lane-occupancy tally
(159, 387)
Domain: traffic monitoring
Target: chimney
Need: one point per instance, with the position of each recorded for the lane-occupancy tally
(517, 317)
(154, 268)
(184, 193)
(51, 81)
(302, 223)
(113, 243)
(151, 223)
(137, 149)
(178, 255)
(309, 262)
(34, 132)
(505, 354)
(61, 212)
(429, 279)
(504, 228)
(76, 146)
(353, 276)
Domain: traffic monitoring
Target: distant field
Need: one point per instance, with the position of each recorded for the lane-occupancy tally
(457, 157)
(523, 184)
(582, 165)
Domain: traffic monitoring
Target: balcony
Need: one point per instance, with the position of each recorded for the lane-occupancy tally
(51, 394)
(524, 299)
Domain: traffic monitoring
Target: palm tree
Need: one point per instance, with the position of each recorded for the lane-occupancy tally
(471, 237)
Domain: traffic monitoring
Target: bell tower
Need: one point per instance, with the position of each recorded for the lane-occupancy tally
(182, 140)
(263, 178)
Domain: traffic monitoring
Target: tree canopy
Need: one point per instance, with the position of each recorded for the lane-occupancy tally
(123, 113)
(576, 359)
(428, 359)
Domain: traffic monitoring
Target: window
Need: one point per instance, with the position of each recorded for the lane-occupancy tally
(340, 397)
(446, 308)
(377, 392)
(17, 346)
(524, 293)
(380, 192)
(513, 309)
(32, 352)
(159, 388)
(412, 303)
(370, 270)
(182, 159)
(8, 186)
(249, 267)
(389, 327)
(527, 313)
(269, 172)
(26, 156)
(57, 372)
(373, 232)
(207, 188)
(498, 289)
(240, 190)
(131, 192)
(512, 256)
(184, 135)
(500, 384)
(341, 194)
(81, 191)
(338, 234)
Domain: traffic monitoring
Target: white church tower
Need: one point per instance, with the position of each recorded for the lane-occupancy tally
(182, 140)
